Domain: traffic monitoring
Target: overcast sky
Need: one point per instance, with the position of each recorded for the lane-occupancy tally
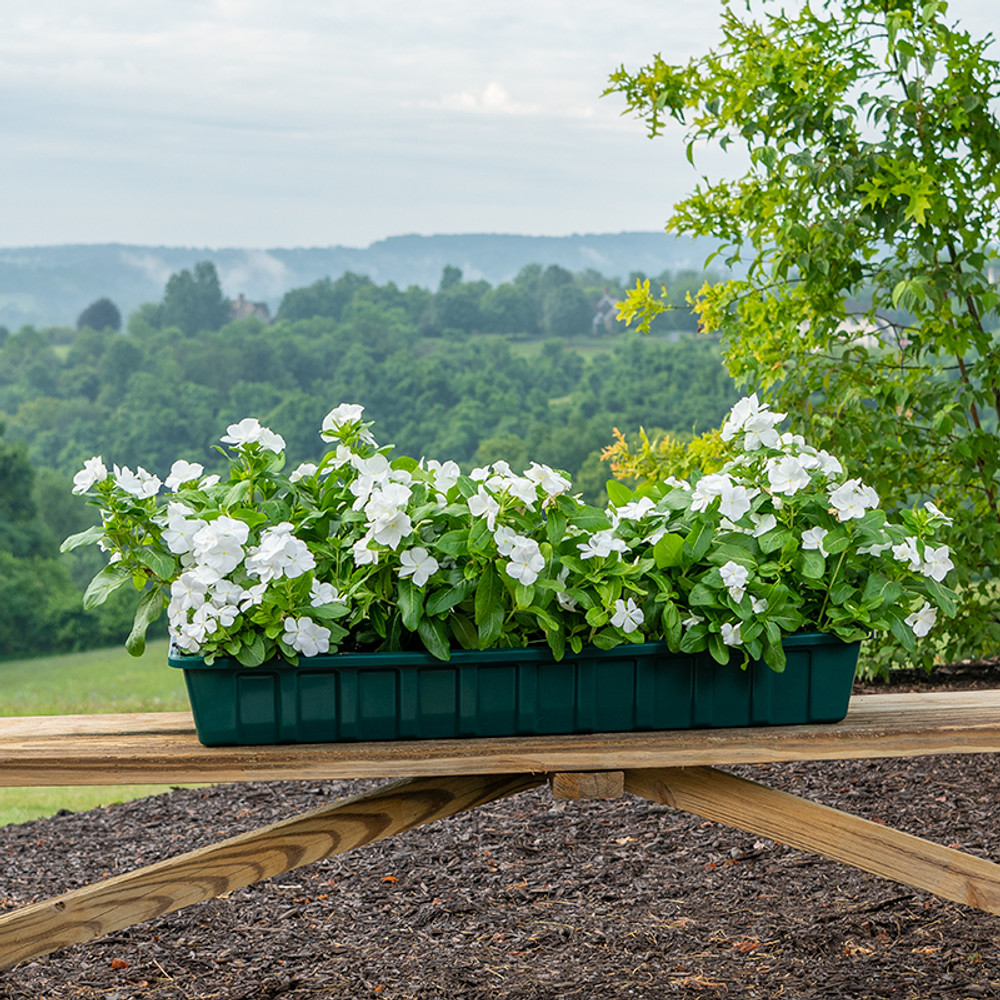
(318, 122)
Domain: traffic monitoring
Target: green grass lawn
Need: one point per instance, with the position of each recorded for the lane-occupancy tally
(95, 682)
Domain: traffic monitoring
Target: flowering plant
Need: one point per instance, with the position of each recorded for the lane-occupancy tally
(362, 551)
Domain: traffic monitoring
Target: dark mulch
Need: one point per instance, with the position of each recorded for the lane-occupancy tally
(530, 898)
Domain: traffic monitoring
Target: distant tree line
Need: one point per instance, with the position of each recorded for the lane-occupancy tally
(470, 372)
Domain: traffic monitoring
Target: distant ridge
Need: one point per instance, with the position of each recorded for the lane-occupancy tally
(51, 285)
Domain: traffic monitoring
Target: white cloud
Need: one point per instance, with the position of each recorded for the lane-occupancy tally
(492, 100)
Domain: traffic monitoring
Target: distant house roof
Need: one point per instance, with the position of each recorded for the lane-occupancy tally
(243, 308)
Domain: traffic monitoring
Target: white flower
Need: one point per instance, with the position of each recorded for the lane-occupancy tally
(937, 564)
(364, 556)
(279, 554)
(305, 636)
(306, 469)
(733, 574)
(922, 621)
(762, 524)
(208, 481)
(219, 544)
(875, 549)
(635, 510)
(225, 592)
(187, 592)
(758, 605)
(179, 533)
(752, 416)
(483, 505)
(139, 483)
(852, 499)
(734, 501)
(692, 621)
(601, 544)
(707, 489)
(418, 563)
(526, 562)
(346, 413)
(392, 530)
(552, 483)
(523, 489)
(323, 593)
(628, 616)
(828, 464)
(786, 475)
(93, 471)
(813, 539)
(183, 472)
(250, 431)
(253, 596)
(731, 633)
(445, 475)
(907, 551)
(935, 512)
(506, 538)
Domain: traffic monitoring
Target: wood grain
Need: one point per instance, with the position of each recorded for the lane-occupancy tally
(587, 784)
(869, 846)
(125, 900)
(161, 748)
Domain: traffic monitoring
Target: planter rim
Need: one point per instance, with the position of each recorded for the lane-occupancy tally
(525, 654)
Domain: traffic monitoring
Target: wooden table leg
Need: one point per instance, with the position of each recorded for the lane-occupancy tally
(124, 900)
(869, 846)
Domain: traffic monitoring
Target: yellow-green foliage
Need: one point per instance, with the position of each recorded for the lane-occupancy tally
(653, 460)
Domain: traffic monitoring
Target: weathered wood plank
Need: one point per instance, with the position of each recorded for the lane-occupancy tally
(869, 846)
(124, 900)
(587, 784)
(162, 749)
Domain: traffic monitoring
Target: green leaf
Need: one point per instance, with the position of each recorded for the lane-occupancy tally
(480, 536)
(597, 616)
(703, 597)
(104, 584)
(699, 541)
(88, 537)
(163, 565)
(148, 610)
(254, 653)
(434, 636)
(813, 565)
(607, 639)
(718, 649)
(618, 493)
(523, 596)
(411, 604)
(489, 610)
(668, 551)
(464, 631)
(454, 543)
(555, 526)
(445, 600)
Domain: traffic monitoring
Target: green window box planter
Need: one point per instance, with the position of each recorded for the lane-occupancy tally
(511, 692)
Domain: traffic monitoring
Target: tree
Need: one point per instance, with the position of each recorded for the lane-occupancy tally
(194, 302)
(322, 298)
(102, 314)
(566, 312)
(874, 179)
(450, 277)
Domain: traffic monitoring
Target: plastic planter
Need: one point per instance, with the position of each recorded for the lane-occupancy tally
(511, 692)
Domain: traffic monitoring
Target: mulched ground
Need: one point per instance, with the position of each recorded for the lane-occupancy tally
(531, 898)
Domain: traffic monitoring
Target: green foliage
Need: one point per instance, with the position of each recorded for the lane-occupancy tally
(868, 222)
(194, 302)
(100, 315)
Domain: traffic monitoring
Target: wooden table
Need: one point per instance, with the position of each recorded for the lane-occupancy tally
(440, 778)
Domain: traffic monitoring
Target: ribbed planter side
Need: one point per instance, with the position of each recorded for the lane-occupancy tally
(512, 692)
